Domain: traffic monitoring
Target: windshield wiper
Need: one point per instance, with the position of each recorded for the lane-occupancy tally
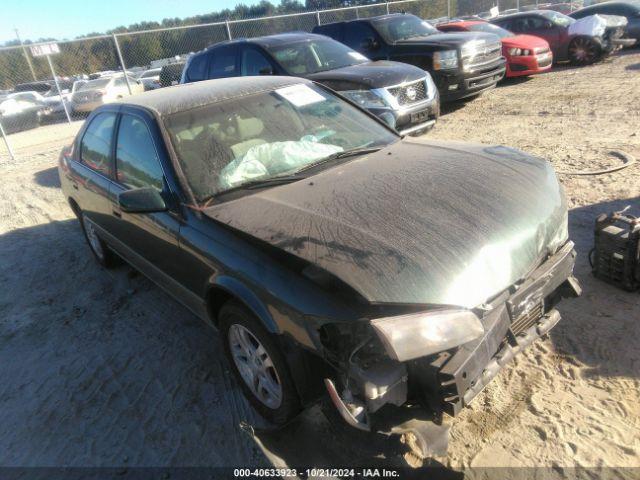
(253, 184)
(288, 178)
(335, 156)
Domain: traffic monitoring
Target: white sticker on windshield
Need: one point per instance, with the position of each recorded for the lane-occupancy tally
(300, 95)
(358, 56)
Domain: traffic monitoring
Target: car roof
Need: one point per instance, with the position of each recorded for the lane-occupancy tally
(524, 14)
(271, 40)
(595, 6)
(461, 22)
(179, 98)
(379, 18)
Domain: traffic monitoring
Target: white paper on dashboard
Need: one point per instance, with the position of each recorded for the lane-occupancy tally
(300, 95)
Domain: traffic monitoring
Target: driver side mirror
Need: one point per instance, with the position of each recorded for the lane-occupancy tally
(266, 71)
(142, 200)
(370, 44)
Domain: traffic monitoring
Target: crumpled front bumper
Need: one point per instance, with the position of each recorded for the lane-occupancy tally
(513, 321)
(449, 381)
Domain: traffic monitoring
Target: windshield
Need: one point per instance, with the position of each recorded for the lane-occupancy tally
(150, 73)
(403, 27)
(305, 58)
(558, 18)
(94, 84)
(489, 28)
(25, 97)
(77, 84)
(227, 144)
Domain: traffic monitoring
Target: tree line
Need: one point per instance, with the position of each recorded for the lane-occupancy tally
(84, 55)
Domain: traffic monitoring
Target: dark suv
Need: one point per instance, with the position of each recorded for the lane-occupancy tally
(402, 95)
(461, 64)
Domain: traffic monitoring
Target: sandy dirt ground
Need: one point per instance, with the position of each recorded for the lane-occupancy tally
(101, 368)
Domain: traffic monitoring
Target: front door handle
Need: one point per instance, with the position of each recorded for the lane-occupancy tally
(117, 214)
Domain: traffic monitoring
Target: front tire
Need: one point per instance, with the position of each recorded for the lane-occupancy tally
(258, 364)
(583, 51)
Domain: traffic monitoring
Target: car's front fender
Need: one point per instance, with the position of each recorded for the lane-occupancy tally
(244, 294)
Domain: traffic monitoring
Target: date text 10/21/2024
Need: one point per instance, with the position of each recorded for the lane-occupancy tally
(316, 472)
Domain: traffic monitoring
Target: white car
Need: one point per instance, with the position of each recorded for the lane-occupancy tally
(150, 78)
(19, 111)
(103, 90)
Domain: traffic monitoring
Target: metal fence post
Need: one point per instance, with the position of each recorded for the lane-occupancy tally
(357, 13)
(448, 8)
(318, 18)
(55, 79)
(226, 23)
(6, 142)
(124, 68)
(26, 56)
(387, 5)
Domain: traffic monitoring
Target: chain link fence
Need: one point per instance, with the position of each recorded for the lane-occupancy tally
(57, 89)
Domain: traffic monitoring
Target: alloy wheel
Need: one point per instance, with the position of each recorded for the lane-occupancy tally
(92, 236)
(255, 366)
(583, 51)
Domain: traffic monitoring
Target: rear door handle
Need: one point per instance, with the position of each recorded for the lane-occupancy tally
(75, 185)
(117, 214)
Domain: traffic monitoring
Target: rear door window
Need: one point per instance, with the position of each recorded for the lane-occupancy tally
(615, 9)
(332, 30)
(520, 24)
(137, 163)
(95, 147)
(356, 34)
(254, 62)
(197, 68)
(223, 63)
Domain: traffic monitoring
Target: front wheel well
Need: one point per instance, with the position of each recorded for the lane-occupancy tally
(216, 298)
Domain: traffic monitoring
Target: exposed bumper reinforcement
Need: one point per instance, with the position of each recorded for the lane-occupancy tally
(508, 353)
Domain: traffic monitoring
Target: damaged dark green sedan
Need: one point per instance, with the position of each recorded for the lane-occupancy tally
(334, 256)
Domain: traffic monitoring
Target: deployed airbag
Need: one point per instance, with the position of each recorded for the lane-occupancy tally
(269, 159)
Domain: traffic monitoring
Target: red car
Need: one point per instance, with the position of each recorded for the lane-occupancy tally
(525, 54)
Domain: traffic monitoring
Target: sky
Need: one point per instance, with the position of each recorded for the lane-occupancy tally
(62, 19)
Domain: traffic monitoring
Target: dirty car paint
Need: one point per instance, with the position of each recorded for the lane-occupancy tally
(423, 223)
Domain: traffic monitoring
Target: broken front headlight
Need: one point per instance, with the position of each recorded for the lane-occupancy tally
(415, 335)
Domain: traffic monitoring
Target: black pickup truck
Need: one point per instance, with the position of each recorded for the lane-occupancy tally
(461, 64)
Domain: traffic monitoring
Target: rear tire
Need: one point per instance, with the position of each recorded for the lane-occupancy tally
(99, 248)
(258, 364)
(583, 51)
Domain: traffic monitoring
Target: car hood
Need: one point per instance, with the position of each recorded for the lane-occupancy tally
(423, 223)
(525, 41)
(456, 39)
(371, 74)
